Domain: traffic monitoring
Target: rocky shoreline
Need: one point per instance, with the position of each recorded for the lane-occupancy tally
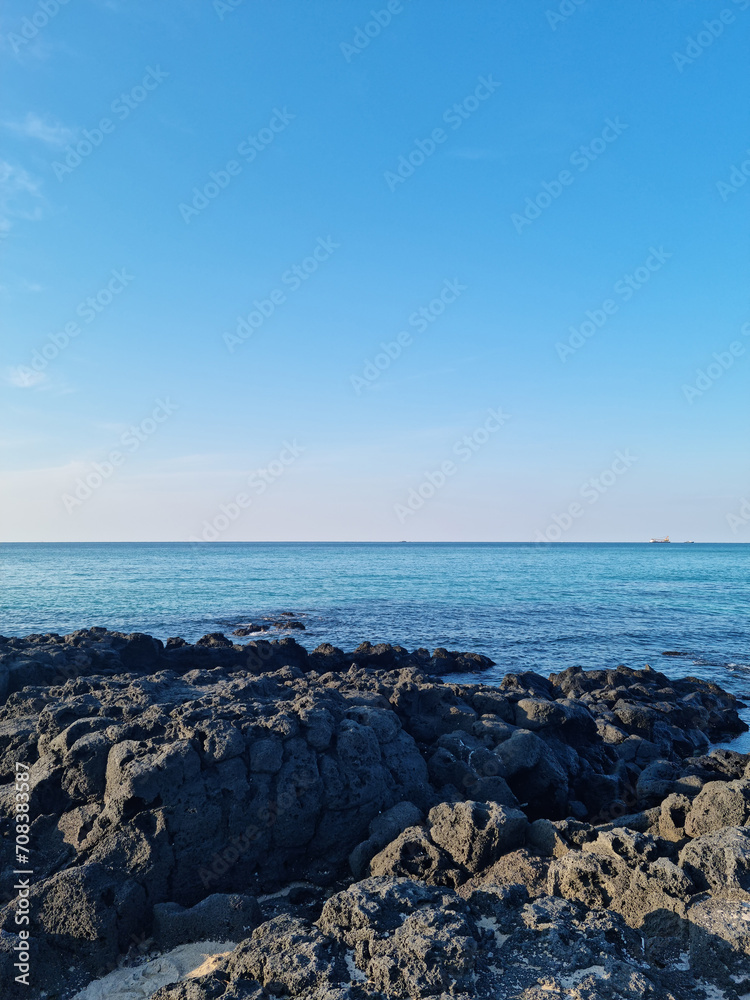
(358, 826)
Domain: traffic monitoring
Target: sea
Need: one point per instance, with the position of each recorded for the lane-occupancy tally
(529, 606)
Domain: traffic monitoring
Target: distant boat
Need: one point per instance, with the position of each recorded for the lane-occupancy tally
(660, 540)
(689, 541)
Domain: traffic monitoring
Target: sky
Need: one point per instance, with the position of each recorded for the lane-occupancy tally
(315, 270)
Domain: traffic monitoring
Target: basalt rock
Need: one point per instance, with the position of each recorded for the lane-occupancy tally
(719, 804)
(169, 786)
(228, 917)
(719, 941)
(628, 874)
(383, 830)
(458, 841)
(289, 957)
(51, 659)
(720, 862)
(476, 834)
(394, 938)
(413, 854)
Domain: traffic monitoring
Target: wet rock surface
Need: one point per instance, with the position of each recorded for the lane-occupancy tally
(358, 827)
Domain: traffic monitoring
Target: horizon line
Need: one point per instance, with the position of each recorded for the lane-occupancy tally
(394, 541)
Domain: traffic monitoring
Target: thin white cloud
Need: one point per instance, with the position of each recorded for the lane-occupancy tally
(17, 180)
(39, 48)
(34, 127)
(20, 196)
(24, 378)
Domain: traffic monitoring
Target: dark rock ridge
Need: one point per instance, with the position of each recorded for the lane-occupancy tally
(365, 829)
(51, 659)
(280, 623)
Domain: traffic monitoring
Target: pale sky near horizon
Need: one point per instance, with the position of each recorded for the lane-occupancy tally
(214, 215)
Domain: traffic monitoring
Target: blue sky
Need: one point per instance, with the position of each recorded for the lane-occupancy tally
(553, 157)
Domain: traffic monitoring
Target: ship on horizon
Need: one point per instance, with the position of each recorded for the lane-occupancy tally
(660, 540)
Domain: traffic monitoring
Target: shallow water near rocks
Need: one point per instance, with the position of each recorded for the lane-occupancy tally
(526, 605)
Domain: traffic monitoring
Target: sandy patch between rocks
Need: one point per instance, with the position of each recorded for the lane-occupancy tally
(186, 962)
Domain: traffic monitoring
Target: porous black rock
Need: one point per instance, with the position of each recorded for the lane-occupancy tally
(560, 821)
(227, 916)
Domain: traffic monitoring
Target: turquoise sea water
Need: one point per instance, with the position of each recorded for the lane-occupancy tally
(528, 606)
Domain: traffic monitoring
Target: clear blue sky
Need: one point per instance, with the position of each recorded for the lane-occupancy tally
(305, 128)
